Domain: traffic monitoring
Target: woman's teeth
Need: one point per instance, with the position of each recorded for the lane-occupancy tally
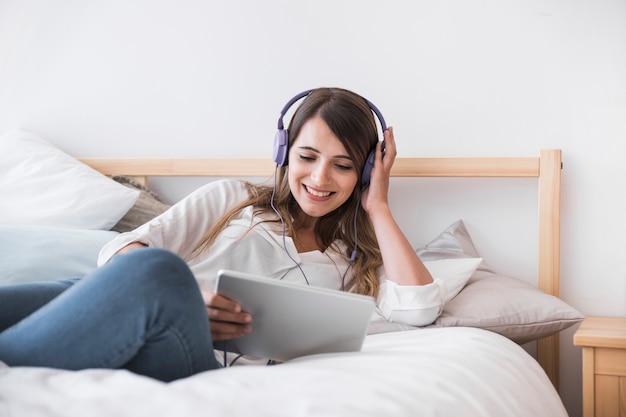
(317, 193)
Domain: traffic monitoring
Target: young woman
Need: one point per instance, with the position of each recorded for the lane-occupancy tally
(150, 307)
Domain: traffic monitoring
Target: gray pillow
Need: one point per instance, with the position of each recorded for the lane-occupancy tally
(508, 306)
(148, 206)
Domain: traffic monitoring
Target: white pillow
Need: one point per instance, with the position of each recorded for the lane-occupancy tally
(40, 253)
(453, 272)
(42, 185)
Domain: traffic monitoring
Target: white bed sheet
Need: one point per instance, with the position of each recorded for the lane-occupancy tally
(426, 372)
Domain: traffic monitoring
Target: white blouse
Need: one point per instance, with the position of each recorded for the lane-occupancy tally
(263, 249)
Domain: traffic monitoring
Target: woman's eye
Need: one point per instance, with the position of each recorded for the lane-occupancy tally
(344, 167)
(306, 158)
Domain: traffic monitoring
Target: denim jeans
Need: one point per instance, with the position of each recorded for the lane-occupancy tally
(143, 311)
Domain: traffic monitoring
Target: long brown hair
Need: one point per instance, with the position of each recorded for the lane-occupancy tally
(350, 118)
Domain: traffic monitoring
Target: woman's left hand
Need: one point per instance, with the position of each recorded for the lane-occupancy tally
(377, 192)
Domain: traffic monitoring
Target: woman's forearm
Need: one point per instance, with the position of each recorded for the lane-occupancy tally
(131, 246)
(402, 265)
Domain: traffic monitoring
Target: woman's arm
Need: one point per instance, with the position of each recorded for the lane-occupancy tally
(131, 246)
(180, 227)
(402, 265)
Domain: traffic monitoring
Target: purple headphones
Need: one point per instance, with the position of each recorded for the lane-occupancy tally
(281, 140)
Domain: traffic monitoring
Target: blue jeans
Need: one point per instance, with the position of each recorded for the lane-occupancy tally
(143, 311)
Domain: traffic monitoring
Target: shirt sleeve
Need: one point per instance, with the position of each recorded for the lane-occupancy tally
(415, 305)
(181, 227)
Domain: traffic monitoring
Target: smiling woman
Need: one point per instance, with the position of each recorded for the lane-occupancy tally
(322, 221)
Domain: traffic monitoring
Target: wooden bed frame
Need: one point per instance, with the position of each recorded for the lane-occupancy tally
(546, 168)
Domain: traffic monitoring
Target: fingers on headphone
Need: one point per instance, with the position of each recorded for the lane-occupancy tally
(390, 143)
(388, 134)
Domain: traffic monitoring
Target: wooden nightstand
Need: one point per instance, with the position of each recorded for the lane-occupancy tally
(604, 365)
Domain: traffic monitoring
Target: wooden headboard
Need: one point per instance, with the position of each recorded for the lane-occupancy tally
(546, 168)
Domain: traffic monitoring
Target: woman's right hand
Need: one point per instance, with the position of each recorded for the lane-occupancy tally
(227, 319)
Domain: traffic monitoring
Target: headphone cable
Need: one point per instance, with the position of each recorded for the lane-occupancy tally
(285, 228)
(354, 250)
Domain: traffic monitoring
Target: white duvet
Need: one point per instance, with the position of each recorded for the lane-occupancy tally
(431, 372)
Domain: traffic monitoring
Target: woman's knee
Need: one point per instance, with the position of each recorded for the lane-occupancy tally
(154, 267)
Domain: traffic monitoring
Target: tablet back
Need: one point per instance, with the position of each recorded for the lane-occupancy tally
(291, 320)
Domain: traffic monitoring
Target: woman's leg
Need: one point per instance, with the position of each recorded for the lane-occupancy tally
(18, 301)
(142, 311)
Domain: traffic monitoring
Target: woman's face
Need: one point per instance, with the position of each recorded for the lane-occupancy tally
(321, 174)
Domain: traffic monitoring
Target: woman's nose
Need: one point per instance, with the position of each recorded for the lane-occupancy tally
(320, 174)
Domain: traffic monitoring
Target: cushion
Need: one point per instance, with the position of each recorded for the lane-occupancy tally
(508, 306)
(451, 273)
(42, 253)
(491, 301)
(453, 243)
(42, 185)
(455, 273)
(148, 206)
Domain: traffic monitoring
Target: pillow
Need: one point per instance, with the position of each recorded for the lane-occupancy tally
(42, 185)
(148, 206)
(453, 243)
(41, 253)
(453, 272)
(505, 305)
(508, 306)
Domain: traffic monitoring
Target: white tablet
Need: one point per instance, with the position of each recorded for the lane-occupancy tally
(291, 320)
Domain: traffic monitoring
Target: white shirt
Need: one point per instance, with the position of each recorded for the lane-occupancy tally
(262, 250)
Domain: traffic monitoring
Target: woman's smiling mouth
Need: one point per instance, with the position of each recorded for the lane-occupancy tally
(317, 193)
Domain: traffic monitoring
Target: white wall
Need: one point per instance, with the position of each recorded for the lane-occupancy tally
(456, 77)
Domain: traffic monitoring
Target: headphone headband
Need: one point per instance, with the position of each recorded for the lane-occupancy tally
(305, 93)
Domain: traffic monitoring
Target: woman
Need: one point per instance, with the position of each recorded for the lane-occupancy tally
(145, 309)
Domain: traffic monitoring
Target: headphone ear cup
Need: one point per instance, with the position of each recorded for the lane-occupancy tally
(281, 144)
(369, 165)
(367, 169)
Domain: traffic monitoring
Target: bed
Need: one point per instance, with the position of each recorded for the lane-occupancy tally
(469, 362)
